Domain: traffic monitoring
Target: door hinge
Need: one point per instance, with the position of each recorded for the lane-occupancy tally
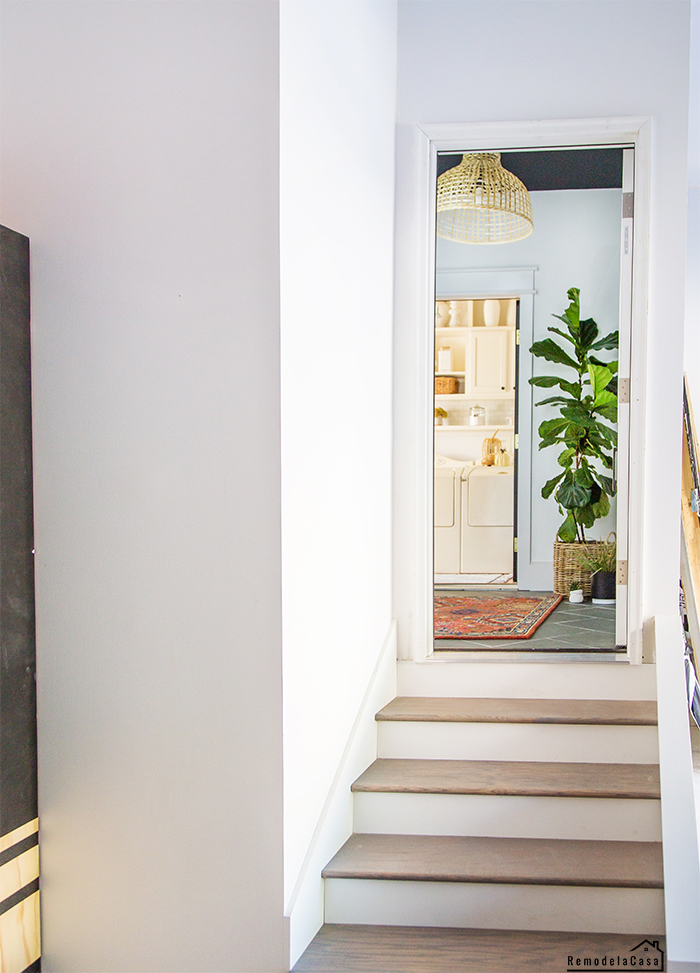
(517, 336)
(516, 441)
(515, 545)
(623, 391)
(621, 577)
(628, 206)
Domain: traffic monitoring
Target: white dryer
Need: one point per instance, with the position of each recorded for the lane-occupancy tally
(487, 520)
(447, 517)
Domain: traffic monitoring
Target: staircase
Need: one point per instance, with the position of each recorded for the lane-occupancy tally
(536, 816)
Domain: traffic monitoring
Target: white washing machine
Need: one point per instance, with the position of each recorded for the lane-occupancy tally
(447, 516)
(487, 520)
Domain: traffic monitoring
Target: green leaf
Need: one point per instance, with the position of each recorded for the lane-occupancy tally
(572, 494)
(563, 335)
(552, 427)
(549, 381)
(567, 531)
(612, 365)
(608, 411)
(544, 381)
(553, 398)
(571, 387)
(588, 333)
(549, 486)
(607, 433)
(611, 340)
(566, 458)
(550, 350)
(582, 476)
(605, 397)
(606, 483)
(600, 377)
(578, 414)
(574, 434)
(586, 515)
(612, 386)
(602, 507)
(570, 317)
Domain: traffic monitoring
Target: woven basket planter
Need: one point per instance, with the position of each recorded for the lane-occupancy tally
(446, 385)
(567, 568)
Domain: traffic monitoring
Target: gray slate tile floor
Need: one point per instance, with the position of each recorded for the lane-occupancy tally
(579, 628)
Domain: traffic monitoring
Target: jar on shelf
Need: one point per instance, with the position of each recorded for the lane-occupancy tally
(490, 448)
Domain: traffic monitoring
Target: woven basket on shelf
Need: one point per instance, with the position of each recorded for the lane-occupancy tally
(567, 567)
(446, 385)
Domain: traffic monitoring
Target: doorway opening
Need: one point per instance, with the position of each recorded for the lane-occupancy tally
(494, 586)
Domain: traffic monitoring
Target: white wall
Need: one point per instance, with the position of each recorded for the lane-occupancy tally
(575, 243)
(139, 154)
(579, 59)
(338, 84)
(692, 290)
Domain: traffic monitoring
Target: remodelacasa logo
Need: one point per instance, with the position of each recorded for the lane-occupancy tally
(644, 956)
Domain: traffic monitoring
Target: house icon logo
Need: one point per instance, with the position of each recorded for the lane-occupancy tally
(646, 955)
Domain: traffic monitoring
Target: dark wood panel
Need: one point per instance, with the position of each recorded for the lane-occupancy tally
(18, 785)
(514, 861)
(405, 949)
(611, 712)
(511, 777)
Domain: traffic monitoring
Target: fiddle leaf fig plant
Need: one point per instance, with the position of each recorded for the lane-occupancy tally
(587, 404)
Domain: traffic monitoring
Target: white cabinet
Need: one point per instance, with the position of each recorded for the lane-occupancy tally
(488, 371)
(483, 361)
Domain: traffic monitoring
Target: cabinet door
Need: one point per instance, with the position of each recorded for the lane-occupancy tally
(487, 368)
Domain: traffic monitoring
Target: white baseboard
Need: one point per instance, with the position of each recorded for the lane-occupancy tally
(536, 576)
(306, 903)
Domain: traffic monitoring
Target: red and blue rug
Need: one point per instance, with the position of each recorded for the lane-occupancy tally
(491, 617)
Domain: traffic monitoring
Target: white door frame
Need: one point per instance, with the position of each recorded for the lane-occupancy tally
(417, 149)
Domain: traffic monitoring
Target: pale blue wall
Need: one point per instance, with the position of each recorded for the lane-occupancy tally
(575, 243)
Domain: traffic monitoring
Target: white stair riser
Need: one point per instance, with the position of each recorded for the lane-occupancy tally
(492, 906)
(517, 741)
(527, 680)
(496, 816)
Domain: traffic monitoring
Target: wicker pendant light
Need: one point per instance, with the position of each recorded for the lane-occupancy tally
(481, 202)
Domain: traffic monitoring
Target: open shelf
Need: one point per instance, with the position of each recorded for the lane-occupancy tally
(502, 428)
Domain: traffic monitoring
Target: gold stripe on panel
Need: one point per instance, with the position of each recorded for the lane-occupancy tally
(20, 935)
(22, 870)
(12, 837)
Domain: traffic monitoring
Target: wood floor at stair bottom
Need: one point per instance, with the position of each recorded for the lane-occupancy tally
(410, 949)
(539, 779)
(510, 861)
(608, 712)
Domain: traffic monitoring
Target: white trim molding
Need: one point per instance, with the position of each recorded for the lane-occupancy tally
(417, 149)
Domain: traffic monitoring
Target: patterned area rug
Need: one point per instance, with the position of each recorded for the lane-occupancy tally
(493, 617)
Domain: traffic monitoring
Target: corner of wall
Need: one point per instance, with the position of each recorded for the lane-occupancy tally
(305, 910)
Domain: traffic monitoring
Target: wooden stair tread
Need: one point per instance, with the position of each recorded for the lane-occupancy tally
(512, 861)
(609, 712)
(539, 778)
(418, 949)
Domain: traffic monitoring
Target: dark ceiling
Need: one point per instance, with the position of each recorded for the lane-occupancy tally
(558, 168)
